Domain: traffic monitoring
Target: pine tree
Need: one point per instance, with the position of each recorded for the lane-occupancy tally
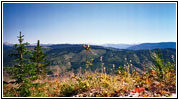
(23, 71)
(39, 59)
(18, 71)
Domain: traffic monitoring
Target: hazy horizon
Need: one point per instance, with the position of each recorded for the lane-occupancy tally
(90, 23)
(96, 44)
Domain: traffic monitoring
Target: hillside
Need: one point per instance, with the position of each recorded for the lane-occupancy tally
(69, 57)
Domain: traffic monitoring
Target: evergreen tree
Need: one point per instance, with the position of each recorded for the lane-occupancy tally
(23, 71)
(19, 70)
(39, 59)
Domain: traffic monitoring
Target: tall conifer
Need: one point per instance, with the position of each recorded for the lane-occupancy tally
(23, 71)
(39, 59)
(19, 69)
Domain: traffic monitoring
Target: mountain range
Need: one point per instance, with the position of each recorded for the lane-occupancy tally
(118, 46)
(150, 46)
(69, 57)
(141, 46)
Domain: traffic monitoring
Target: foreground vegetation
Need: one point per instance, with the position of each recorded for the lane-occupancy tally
(31, 80)
(158, 82)
(102, 85)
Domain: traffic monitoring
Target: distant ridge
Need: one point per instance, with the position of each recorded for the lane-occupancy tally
(161, 45)
(142, 46)
(118, 46)
(8, 44)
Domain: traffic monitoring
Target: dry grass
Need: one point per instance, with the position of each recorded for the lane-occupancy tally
(101, 85)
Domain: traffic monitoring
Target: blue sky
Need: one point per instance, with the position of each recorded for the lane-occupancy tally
(96, 23)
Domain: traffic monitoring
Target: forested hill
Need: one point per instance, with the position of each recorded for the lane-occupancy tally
(69, 56)
(161, 45)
